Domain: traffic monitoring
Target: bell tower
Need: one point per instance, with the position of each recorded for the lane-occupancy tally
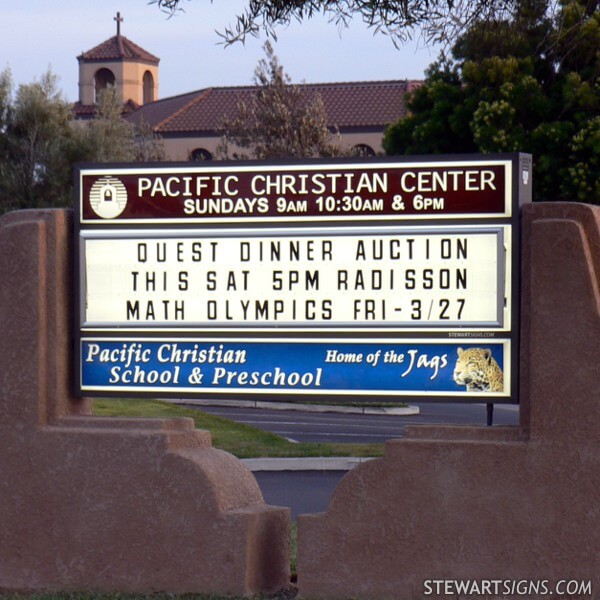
(121, 63)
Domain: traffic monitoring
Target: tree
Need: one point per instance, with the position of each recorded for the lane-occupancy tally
(438, 20)
(108, 137)
(281, 120)
(40, 143)
(439, 122)
(529, 84)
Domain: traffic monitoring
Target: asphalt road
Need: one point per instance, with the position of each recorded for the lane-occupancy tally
(304, 492)
(301, 426)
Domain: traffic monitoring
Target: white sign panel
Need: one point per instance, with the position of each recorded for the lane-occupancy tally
(395, 277)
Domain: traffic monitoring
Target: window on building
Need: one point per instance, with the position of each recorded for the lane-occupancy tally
(148, 83)
(364, 150)
(200, 154)
(102, 79)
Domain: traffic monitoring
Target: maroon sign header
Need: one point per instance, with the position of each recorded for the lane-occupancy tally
(331, 190)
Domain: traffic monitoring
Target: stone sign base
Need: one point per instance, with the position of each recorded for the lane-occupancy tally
(487, 504)
(97, 504)
(141, 505)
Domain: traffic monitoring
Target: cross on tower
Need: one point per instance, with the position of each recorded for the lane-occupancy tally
(119, 20)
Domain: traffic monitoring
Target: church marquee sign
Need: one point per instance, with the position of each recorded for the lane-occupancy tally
(386, 278)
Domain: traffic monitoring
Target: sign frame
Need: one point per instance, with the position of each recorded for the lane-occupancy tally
(348, 334)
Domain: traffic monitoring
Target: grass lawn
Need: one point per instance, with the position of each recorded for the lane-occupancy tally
(241, 440)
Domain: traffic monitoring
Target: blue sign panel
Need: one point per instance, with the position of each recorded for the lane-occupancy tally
(296, 367)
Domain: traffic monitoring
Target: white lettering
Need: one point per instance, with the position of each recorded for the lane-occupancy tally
(275, 378)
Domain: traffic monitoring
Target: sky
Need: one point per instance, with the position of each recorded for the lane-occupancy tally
(37, 35)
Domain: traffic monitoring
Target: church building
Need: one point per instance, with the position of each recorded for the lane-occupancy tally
(190, 124)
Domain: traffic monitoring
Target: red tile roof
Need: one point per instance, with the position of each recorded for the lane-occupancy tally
(118, 47)
(89, 111)
(84, 111)
(365, 104)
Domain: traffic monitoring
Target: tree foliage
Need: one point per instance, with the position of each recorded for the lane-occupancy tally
(108, 137)
(40, 142)
(37, 144)
(282, 120)
(528, 84)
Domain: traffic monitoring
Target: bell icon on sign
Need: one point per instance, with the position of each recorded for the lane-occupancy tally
(109, 193)
(108, 197)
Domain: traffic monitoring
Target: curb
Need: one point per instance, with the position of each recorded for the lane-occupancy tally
(318, 408)
(304, 464)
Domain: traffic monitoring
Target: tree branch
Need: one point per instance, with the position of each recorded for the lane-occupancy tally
(438, 20)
